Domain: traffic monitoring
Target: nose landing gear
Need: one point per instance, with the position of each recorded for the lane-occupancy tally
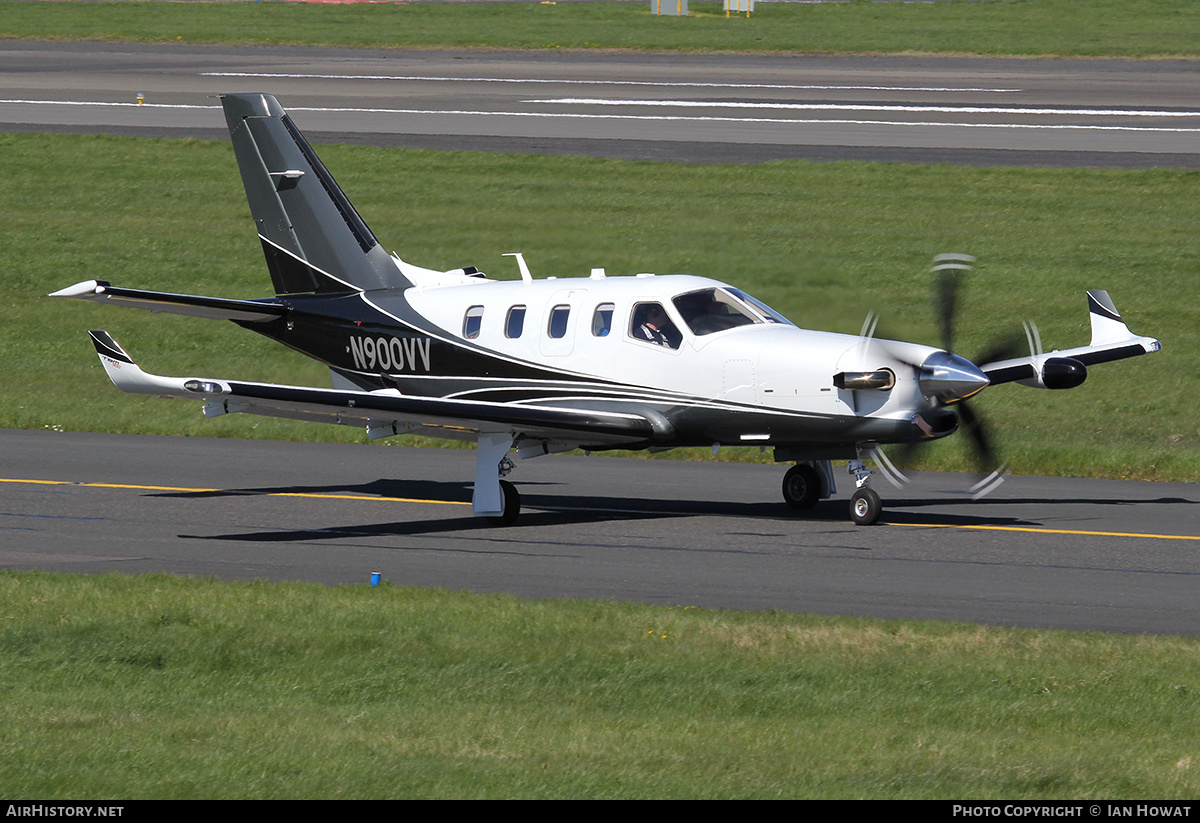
(865, 505)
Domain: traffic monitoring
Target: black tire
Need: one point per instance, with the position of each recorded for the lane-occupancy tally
(801, 486)
(512, 505)
(865, 507)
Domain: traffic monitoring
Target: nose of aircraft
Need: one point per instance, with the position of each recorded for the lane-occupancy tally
(949, 377)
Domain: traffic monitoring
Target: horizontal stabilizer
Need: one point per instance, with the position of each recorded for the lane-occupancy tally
(217, 308)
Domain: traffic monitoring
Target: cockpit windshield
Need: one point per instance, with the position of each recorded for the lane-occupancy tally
(712, 310)
(768, 313)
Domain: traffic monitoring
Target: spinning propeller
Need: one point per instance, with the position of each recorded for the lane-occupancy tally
(949, 380)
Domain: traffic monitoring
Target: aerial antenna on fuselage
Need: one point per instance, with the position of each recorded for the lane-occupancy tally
(525, 275)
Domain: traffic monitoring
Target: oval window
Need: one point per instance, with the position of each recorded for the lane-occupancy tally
(515, 322)
(473, 322)
(558, 321)
(602, 320)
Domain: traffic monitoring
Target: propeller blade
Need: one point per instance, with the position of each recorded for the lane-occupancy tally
(945, 306)
(1005, 348)
(984, 455)
(948, 267)
(888, 469)
(976, 431)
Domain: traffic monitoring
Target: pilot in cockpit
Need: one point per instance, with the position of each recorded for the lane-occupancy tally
(655, 326)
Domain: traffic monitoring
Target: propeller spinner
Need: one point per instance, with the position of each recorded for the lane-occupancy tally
(949, 378)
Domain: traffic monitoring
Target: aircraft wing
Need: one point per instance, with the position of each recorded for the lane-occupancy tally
(1111, 340)
(215, 308)
(386, 412)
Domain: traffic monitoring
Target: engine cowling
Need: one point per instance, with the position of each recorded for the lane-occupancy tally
(1058, 373)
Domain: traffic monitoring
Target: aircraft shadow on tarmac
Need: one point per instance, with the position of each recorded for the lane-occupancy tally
(549, 509)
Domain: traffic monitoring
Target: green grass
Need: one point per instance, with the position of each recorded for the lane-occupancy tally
(824, 243)
(160, 687)
(1096, 28)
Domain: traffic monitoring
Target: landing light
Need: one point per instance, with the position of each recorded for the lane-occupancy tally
(202, 386)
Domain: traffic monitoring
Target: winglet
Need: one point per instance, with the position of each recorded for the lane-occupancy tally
(127, 376)
(108, 348)
(120, 368)
(1109, 330)
(1107, 325)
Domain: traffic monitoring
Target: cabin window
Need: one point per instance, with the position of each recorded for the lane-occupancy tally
(514, 324)
(651, 324)
(472, 322)
(557, 326)
(602, 320)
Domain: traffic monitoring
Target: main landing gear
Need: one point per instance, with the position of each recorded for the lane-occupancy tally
(494, 497)
(512, 505)
(801, 486)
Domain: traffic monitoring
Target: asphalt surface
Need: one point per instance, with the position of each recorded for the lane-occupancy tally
(693, 108)
(1100, 555)
(1112, 556)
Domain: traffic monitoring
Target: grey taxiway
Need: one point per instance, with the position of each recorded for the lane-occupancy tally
(1106, 555)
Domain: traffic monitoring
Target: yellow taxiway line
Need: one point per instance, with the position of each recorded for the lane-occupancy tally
(1032, 529)
(210, 491)
(1048, 531)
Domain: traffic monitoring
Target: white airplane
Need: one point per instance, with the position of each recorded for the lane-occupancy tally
(545, 366)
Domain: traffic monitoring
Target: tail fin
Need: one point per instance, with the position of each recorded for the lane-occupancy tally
(313, 238)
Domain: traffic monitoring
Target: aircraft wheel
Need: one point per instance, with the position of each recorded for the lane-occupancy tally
(512, 505)
(801, 486)
(865, 506)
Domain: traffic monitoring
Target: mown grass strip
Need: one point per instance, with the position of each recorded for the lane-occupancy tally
(1060, 28)
(162, 687)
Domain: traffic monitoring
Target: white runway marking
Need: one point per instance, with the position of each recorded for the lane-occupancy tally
(729, 104)
(412, 78)
(658, 117)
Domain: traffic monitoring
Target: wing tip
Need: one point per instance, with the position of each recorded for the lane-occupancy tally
(82, 290)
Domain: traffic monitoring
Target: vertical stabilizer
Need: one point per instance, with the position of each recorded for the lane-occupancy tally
(313, 238)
